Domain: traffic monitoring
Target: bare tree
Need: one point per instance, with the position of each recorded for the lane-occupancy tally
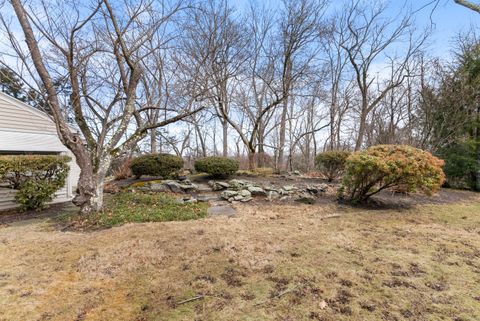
(98, 51)
(366, 35)
(213, 48)
(300, 27)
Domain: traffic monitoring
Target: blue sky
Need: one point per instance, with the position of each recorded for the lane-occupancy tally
(448, 18)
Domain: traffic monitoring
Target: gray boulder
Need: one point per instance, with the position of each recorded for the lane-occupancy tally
(271, 195)
(228, 194)
(218, 186)
(245, 193)
(257, 191)
(305, 199)
(238, 198)
(238, 184)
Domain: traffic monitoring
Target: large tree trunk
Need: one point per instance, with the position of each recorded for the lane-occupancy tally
(361, 129)
(90, 185)
(361, 134)
(251, 160)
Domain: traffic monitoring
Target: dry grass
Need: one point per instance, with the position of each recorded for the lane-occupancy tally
(270, 262)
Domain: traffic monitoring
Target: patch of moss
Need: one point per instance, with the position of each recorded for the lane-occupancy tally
(145, 183)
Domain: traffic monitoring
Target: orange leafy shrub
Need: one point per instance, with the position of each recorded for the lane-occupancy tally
(388, 166)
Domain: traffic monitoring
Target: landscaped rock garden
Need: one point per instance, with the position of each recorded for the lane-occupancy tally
(235, 190)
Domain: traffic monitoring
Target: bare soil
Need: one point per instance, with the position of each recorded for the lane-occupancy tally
(268, 262)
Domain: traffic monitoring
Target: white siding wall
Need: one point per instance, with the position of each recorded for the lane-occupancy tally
(7, 197)
(25, 129)
(19, 117)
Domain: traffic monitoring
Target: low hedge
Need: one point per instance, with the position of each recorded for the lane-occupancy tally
(36, 177)
(217, 166)
(164, 165)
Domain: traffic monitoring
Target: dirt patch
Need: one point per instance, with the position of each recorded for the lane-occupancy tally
(54, 210)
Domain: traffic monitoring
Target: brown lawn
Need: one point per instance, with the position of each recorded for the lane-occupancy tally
(269, 262)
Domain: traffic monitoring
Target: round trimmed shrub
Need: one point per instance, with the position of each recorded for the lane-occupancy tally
(164, 165)
(36, 177)
(217, 166)
(331, 163)
(390, 166)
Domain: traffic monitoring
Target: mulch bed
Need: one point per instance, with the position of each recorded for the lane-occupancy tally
(14, 215)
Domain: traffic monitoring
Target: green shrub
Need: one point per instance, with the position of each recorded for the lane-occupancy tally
(164, 165)
(217, 166)
(331, 163)
(389, 166)
(36, 177)
(460, 164)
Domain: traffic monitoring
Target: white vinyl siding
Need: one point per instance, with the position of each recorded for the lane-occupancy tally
(30, 142)
(7, 197)
(17, 116)
(24, 129)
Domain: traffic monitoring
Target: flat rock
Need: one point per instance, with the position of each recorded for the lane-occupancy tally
(305, 199)
(218, 186)
(207, 197)
(222, 210)
(177, 187)
(157, 187)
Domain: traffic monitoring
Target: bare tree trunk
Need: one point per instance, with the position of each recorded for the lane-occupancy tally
(251, 160)
(361, 131)
(282, 134)
(225, 138)
(153, 141)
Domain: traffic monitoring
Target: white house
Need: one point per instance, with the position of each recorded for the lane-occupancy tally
(26, 130)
